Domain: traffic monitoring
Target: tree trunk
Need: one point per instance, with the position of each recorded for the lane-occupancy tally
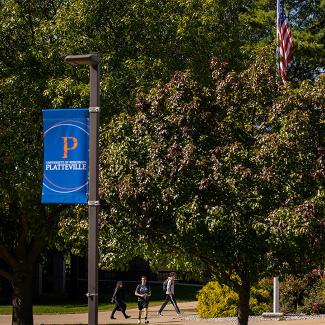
(22, 299)
(243, 304)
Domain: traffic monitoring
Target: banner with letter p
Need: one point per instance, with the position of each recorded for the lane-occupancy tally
(66, 151)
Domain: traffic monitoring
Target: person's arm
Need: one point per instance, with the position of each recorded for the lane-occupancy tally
(149, 291)
(114, 296)
(169, 286)
(137, 293)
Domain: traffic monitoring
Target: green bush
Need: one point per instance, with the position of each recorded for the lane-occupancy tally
(261, 297)
(314, 302)
(302, 294)
(215, 300)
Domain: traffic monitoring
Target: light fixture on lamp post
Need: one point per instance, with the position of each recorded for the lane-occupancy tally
(92, 60)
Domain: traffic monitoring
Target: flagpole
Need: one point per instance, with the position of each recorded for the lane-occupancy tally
(276, 293)
(277, 59)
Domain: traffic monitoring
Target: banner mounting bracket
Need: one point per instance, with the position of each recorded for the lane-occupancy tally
(93, 203)
(94, 109)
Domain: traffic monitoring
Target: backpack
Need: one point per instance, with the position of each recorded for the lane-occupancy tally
(165, 285)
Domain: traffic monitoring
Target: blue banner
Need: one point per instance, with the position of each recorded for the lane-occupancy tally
(66, 145)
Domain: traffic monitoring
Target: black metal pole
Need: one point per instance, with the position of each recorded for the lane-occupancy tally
(93, 194)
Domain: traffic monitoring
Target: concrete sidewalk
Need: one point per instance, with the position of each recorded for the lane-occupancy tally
(169, 317)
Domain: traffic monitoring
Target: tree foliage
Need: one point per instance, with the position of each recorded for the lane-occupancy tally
(229, 176)
(161, 156)
(25, 226)
(145, 42)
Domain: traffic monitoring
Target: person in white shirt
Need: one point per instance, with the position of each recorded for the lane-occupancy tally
(170, 294)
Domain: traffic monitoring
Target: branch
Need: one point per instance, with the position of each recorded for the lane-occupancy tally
(7, 275)
(36, 243)
(8, 257)
(34, 250)
(20, 249)
(31, 26)
(233, 284)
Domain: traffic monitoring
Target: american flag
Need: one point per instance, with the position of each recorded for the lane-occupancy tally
(285, 47)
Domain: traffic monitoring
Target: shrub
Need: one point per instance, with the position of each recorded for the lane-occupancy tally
(261, 297)
(314, 302)
(216, 300)
(303, 293)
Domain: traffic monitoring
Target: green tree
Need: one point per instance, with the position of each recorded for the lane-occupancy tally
(225, 180)
(25, 226)
(142, 43)
(306, 19)
(145, 42)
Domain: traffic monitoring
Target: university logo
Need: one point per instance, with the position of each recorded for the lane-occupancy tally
(66, 145)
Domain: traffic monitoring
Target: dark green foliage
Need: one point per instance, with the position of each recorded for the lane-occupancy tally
(314, 302)
(145, 42)
(229, 157)
(231, 175)
(192, 156)
(25, 225)
(307, 19)
(302, 293)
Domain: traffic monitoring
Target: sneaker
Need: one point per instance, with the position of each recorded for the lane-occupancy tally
(139, 321)
(146, 321)
(159, 313)
(112, 317)
(127, 316)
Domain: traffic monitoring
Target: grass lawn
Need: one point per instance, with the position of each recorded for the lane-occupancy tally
(47, 305)
(58, 307)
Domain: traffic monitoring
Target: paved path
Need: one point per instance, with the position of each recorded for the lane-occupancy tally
(169, 318)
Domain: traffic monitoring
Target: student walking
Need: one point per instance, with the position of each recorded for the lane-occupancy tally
(170, 294)
(117, 299)
(143, 293)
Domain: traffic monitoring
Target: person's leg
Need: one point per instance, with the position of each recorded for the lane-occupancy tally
(114, 310)
(121, 306)
(146, 315)
(123, 309)
(173, 301)
(140, 311)
(164, 304)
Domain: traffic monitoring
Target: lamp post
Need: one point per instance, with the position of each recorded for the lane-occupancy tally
(92, 60)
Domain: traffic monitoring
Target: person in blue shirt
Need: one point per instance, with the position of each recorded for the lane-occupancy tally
(143, 293)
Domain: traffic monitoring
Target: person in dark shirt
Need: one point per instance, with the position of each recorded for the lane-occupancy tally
(117, 299)
(143, 293)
